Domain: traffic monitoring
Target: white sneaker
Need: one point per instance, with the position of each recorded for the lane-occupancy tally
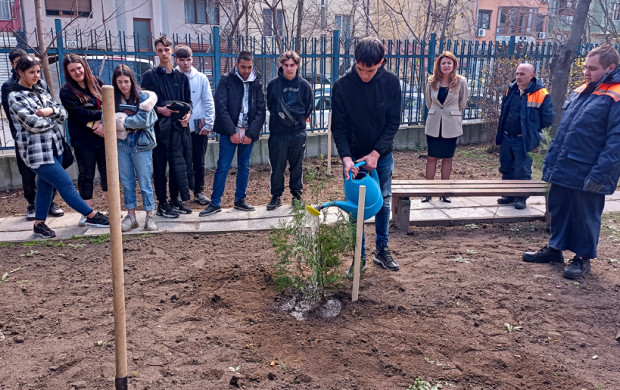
(82, 222)
(129, 222)
(149, 223)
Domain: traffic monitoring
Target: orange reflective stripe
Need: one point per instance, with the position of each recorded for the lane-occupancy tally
(535, 99)
(611, 90)
(581, 88)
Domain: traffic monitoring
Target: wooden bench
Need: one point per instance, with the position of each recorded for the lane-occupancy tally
(402, 190)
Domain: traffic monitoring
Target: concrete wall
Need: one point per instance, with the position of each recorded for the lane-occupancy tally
(407, 138)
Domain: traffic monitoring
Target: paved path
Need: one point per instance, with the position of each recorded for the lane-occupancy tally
(462, 210)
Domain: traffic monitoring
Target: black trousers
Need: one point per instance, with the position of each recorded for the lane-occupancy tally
(89, 158)
(199, 149)
(160, 162)
(283, 148)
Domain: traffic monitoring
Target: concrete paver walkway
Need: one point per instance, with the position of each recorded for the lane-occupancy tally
(462, 210)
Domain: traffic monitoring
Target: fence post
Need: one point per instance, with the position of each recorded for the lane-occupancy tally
(216, 55)
(511, 46)
(335, 55)
(61, 48)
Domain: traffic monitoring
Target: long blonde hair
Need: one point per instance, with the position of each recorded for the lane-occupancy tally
(435, 78)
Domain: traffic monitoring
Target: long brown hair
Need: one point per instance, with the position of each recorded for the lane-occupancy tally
(91, 82)
(134, 93)
(435, 78)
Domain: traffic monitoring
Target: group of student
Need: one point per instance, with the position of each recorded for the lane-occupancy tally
(161, 125)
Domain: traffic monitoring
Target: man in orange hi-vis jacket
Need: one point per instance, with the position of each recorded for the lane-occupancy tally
(526, 110)
(583, 164)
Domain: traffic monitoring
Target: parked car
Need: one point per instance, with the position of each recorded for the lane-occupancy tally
(103, 66)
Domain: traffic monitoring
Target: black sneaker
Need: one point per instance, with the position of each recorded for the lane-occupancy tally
(546, 254)
(98, 220)
(426, 199)
(164, 210)
(242, 205)
(201, 198)
(55, 210)
(30, 213)
(211, 209)
(41, 230)
(349, 273)
(274, 203)
(506, 200)
(520, 204)
(384, 259)
(179, 207)
(577, 268)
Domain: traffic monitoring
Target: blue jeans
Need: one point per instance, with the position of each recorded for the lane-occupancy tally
(227, 152)
(130, 165)
(50, 176)
(385, 168)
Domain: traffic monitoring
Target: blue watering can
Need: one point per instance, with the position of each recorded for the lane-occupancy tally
(373, 200)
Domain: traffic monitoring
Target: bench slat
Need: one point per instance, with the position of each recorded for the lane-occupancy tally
(436, 182)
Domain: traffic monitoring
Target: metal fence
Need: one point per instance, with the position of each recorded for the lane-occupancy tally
(324, 59)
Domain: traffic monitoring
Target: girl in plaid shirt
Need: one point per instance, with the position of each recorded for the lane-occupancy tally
(39, 142)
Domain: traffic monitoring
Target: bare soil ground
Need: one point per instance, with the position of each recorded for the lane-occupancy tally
(199, 305)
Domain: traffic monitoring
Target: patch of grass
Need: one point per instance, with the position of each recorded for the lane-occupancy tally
(101, 239)
(421, 384)
(33, 243)
(6, 244)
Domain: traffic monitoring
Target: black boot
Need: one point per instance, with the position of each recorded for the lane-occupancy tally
(577, 268)
(546, 254)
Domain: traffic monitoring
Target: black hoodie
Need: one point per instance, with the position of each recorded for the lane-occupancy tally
(297, 94)
(365, 116)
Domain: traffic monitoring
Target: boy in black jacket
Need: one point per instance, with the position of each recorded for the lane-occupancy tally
(290, 101)
(170, 85)
(365, 119)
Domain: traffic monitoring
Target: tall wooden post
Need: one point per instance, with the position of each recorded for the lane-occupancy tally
(359, 230)
(329, 143)
(116, 238)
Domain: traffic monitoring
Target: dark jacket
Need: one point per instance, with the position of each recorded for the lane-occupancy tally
(6, 87)
(80, 114)
(587, 143)
(178, 142)
(168, 87)
(536, 113)
(297, 95)
(228, 99)
(365, 116)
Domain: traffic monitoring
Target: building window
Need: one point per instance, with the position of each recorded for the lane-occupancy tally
(484, 19)
(5, 9)
(515, 20)
(80, 8)
(615, 12)
(213, 12)
(196, 11)
(343, 23)
(268, 28)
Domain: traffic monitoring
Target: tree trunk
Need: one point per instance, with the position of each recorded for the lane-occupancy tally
(45, 64)
(445, 21)
(300, 11)
(563, 59)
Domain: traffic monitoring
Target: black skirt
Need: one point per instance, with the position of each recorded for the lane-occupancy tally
(440, 147)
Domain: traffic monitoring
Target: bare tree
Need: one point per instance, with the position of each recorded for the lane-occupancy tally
(564, 57)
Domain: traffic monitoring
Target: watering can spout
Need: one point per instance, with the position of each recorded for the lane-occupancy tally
(373, 200)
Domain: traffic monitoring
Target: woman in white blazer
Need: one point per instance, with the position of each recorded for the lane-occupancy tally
(445, 97)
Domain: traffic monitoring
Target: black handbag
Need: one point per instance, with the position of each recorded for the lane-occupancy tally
(67, 155)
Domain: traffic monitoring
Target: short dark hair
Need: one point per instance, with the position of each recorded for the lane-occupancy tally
(245, 55)
(164, 40)
(369, 51)
(289, 55)
(16, 53)
(607, 55)
(182, 51)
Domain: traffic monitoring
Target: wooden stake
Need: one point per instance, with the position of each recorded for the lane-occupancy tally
(329, 143)
(359, 229)
(116, 237)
